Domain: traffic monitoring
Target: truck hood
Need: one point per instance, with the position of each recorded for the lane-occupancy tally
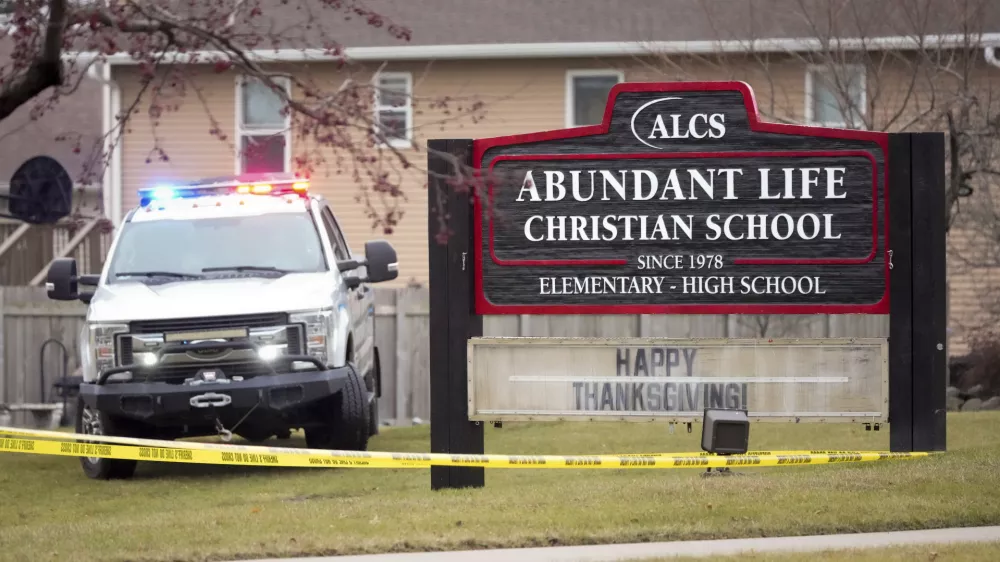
(134, 300)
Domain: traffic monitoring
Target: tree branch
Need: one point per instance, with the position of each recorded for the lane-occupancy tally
(45, 71)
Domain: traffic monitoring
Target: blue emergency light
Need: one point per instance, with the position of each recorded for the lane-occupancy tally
(163, 192)
(257, 184)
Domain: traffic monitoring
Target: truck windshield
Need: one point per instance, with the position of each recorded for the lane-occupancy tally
(196, 248)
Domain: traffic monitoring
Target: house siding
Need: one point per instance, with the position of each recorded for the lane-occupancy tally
(520, 96)
(181, 133)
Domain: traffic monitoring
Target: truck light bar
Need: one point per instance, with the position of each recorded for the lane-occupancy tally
(237, 185)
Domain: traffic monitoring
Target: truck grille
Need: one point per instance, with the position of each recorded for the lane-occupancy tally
(294, 337)
(212, 322)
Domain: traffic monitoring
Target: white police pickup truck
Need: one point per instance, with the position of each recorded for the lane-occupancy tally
(229, 306)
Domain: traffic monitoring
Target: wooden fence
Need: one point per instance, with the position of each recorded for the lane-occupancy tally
(402, 331)
(27, 249)
(29, 320)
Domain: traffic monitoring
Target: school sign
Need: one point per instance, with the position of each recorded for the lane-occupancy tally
(683, 201)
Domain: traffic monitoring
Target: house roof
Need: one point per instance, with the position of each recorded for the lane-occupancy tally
(441, 29)
(460, 22)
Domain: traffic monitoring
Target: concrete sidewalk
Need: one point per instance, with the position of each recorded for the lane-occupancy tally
(616, 552)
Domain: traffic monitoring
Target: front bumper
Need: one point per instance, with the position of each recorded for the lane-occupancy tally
(279, 395)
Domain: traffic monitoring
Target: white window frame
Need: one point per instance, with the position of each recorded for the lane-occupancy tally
(862, 106)
(585, 73)
(241, 132)
(407, 109)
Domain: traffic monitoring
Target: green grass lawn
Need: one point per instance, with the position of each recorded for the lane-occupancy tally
(49, 510)
(970, 552)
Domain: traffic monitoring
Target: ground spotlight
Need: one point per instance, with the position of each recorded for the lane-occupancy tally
(725, 432)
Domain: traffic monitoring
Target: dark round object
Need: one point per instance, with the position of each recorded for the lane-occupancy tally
(346, 425)
(41, 191)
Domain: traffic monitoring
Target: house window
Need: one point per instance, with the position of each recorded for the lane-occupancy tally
(587, 95)
(263, 130)
(393, 110)
(835, 95)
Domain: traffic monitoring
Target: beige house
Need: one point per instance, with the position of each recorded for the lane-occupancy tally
(549, 64)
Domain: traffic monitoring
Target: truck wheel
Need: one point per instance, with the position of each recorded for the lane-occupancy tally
(346, 425)
(95, 422)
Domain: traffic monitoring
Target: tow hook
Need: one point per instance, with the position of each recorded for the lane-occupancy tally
(210, 399)
(224, 433)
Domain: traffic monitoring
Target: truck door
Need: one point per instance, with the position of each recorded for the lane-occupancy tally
(361, 298)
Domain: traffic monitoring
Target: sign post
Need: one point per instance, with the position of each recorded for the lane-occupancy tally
(452, 317)
(682, 201)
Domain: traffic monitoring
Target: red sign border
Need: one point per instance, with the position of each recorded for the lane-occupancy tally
(480, 146)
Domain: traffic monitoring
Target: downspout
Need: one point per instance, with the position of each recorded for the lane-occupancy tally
(110, 102)
(102, 78)
(116, 150)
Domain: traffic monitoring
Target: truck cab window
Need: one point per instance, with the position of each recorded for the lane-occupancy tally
(336, 238)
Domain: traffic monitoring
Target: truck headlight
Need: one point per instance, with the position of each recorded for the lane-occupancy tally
(102, 344)
(145, 358)
(271, 342)
(319, 329)
(271, 352)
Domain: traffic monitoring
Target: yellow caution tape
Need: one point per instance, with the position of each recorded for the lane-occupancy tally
(181, 455)
(127, 448)
(762, 452)
(263, 449)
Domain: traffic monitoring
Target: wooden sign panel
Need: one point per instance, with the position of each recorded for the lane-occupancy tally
(660, 379)
(682, 201)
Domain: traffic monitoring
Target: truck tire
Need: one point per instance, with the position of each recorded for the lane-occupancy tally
(95, 422)
(346, 425)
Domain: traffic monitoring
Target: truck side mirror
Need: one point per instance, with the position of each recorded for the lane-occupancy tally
(61, 280)
(63, 283)
(380, 261)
